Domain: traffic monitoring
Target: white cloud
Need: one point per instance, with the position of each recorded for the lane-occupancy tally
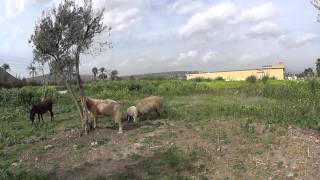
(119, 14)
(209, 56)
(214, 18)
(248, 58)
(121, 19)
(188, 55)
(266, 30)
(14, 7)
(222, 15)
(298, 41)
(41, 1)
(186, 6)
(259, 13)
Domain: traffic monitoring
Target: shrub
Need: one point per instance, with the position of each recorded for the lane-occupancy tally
(219, 79)
(265, 79)
(200, 79)
(251, 79)
(134, 87)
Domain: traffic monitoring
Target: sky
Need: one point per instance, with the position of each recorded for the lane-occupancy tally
(173, 35)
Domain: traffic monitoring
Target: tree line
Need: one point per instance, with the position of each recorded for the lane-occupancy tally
(102, 74)
(309, 72)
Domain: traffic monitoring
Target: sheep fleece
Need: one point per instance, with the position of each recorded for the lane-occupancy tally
(150, 104)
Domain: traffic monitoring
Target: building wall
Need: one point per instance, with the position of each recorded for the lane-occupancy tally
(276, 71)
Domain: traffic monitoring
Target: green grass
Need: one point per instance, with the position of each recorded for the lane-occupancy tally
(273, 102)
(270, 103)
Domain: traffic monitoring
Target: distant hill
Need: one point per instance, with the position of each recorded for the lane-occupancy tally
(6, 77)
(86, 78)
(56, 79)
(161, 75)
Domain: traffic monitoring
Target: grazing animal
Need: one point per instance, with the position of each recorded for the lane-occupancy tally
(150, 104)
(105, 107)
(40, 109)
(132, 114)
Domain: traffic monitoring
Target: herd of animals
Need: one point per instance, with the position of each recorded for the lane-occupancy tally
(106, 107)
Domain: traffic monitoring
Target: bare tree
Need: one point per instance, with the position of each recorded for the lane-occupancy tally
(61, 36)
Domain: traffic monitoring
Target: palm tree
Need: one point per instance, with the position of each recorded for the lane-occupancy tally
(318, 67)
(5, 66)
(32, 70)
(114, 75)
(102, 70)
(95, 72)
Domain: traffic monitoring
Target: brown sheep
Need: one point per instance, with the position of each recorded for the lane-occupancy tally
(150, 104)
(105, 107)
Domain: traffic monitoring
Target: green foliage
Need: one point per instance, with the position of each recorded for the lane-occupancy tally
(272, 103)
(219, 79)
(265, 79)
(284, 102)
(6, 66)
(307, 73)
(15, 105)
(32, 174)
(318, 67)
(251, 79)
(114, 75)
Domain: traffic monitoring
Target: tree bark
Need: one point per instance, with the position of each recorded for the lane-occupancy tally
(85, 120)
(45, 87)
(74, 98)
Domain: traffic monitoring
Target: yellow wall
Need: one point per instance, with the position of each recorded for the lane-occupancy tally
(276, 71)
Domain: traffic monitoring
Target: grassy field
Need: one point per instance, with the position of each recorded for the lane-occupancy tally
(208, 130)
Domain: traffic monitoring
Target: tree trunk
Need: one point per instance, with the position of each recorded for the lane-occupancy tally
(74, 98)
(45, 87)
(85, 120)
(45, 90)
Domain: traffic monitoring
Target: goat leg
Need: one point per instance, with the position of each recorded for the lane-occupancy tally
(51, 114)
(94, 122)
(117, 118)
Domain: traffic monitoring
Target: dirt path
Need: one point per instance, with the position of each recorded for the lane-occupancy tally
(213, 149)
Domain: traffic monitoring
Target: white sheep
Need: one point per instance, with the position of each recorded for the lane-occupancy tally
(132, 114)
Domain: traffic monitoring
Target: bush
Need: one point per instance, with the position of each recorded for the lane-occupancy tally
(219, 79)
(200, 79)
(251, 79)
(265, 79)
(134, 87)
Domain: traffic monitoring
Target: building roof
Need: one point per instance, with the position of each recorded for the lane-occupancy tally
(275, 66)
